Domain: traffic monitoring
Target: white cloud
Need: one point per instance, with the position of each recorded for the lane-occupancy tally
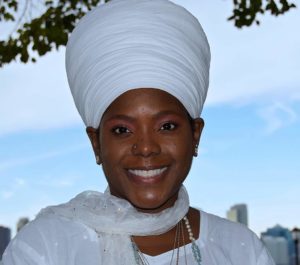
(12, 190)
(7, 194)
(277, 116)
(36, 96)
(20, 181)
(61, 182)
(11, 163)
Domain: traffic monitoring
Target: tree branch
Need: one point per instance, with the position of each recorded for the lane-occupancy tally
(20, 18)
(245, 11)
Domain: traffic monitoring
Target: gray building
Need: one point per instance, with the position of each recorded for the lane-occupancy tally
(296, 238)
(278, 248)
(238, 213)
(274, 239)
(5, 235)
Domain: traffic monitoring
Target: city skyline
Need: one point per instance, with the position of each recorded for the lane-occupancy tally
(249, 150)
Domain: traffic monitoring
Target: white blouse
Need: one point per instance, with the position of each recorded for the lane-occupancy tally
(59, 241)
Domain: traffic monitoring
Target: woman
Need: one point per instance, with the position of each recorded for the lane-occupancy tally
(138, 71)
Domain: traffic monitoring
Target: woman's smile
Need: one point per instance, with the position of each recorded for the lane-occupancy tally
(147, 176)
(147, 173)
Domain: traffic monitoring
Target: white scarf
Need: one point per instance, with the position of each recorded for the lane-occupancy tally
(115, 220)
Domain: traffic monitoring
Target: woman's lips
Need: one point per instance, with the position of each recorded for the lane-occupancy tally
(147, 173)
(146, 176)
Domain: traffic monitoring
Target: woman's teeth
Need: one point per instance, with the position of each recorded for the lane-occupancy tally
(147, 173)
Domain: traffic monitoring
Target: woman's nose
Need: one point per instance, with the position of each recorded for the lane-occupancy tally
(146, 146)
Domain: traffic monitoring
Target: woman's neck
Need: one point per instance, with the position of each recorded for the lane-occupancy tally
(158, 244)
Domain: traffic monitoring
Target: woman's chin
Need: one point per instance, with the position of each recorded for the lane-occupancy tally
(152, 202)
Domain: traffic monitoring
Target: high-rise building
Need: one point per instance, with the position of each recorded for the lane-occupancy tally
(22, 222)
(238, 213)
(296, 237)
(5, 235)
(279, 240)
(278, 248)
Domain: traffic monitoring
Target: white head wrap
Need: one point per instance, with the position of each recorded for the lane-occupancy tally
(129, 44)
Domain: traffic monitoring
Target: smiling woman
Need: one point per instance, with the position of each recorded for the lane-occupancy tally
(139, 77)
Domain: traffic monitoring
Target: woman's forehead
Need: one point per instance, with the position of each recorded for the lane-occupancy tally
(145, 100)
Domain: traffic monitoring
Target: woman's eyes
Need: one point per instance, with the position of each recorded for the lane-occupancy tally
(168, 126)
(120, 130)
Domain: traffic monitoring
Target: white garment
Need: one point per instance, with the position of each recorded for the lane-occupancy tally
(59, 241)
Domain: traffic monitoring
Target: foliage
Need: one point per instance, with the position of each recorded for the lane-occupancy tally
(245, 11)
(42, 34)
(51, 28)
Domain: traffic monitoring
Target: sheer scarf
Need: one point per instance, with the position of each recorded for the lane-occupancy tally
(115, 220)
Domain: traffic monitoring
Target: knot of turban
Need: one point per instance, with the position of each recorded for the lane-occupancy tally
(129, 44)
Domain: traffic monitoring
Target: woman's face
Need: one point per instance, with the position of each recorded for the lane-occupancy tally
(146, 144)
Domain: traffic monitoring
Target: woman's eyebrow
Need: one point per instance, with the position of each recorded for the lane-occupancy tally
(121, 117)
(166, 113)
(133, 119)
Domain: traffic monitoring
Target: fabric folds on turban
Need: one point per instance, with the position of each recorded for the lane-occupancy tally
(129, 44)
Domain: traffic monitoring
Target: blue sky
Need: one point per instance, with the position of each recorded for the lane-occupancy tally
(249, 150)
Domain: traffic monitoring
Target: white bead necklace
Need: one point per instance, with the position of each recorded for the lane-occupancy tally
(195, 248)
(141, 259)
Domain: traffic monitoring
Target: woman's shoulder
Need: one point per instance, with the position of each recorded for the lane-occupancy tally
(51, 225)
(231, 241)
(50, 237)
(223, 230)
(213, 225)
(58, 221)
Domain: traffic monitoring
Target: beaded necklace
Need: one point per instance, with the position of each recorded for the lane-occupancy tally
(140, 259)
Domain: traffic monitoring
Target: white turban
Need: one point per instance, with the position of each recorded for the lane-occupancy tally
(129, 44)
